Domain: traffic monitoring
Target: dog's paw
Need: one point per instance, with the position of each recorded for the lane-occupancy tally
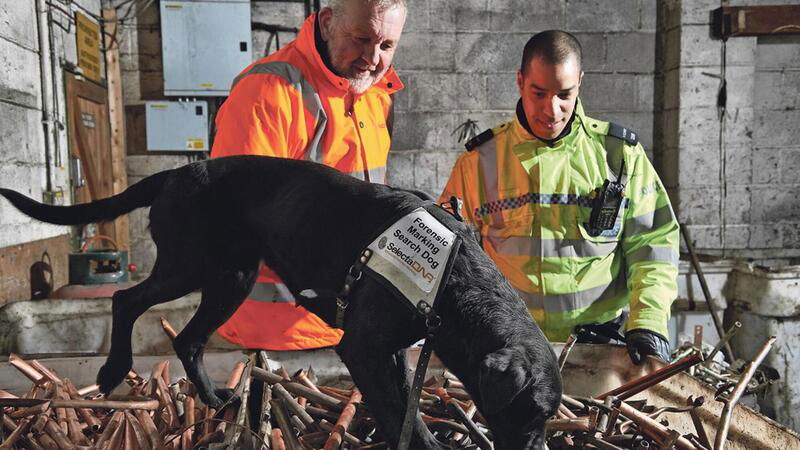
(111, 375)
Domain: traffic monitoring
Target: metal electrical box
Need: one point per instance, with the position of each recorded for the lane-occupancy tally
(177, 126)
(204, 44)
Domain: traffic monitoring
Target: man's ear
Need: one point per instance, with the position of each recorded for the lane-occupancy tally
(503, 376)
(519, 82)
(325, 18)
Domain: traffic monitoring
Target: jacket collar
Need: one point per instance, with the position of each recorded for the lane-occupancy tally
(522, 129)
(306, 44)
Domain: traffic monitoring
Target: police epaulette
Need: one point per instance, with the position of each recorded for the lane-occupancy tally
(618, 131)
(480, 139)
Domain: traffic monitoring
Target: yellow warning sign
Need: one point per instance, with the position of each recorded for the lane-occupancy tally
(195, 144)
(88, 42)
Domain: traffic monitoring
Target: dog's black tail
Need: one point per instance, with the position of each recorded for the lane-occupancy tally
(136, 196)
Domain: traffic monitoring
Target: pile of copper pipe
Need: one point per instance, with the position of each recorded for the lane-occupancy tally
(299, 414)
(154, 414)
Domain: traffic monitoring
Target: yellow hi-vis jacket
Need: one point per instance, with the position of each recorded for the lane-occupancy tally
(531, 203)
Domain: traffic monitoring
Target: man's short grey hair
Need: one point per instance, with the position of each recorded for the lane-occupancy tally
(338, 6)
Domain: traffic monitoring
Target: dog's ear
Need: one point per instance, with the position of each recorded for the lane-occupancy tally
(503, 376)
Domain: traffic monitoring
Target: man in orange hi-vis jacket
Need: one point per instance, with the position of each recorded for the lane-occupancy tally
(324, 97)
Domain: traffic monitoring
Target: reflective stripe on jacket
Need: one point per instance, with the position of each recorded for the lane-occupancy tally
(530, 203)
(291, 105)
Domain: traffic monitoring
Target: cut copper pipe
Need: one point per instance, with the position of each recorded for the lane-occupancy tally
(61, 413)
(298, 389)
(19, 432)
(168, 406)
(602, 444)
(292, 405)
(189, 413)
(651, 428)
(75, 434)
(170, 332)
(281, 371)
(321, 413)
(186, 439)
(149, 428)
(31, 410)
(334, 393)
(39, 423)
(31, 442)
(279, 412)
(47, 373)
(314, 440)
(46, 441)
(58, 435)
(110, 429)
(349, 438)
(117, 438)
(86, 390)
(302, 378)
(638, 385)
(738, 391)
(579, 424)
(129, 438)
(343, 423)
(115, 402)
(440, 424)
(298, 424)
(276, 439)
(26, 369)
(141, 440)
(236, 375)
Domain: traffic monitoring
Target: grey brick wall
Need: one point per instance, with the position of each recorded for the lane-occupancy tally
(459, 60)
(752, 211)
(22, 136)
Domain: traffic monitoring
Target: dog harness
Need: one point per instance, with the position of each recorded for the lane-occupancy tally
(412, 258)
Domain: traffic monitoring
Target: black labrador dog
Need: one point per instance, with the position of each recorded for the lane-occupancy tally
(214, 221)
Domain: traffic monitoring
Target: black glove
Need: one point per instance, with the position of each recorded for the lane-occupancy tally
(643, 342)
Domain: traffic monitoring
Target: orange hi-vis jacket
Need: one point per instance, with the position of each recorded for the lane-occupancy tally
(290, 105)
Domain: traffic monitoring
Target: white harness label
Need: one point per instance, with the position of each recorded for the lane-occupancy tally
(419, 246)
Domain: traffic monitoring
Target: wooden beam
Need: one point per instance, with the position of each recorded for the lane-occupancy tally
(116, 113)
(731, 21)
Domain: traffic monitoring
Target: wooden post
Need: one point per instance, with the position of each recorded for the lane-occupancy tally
(116, 116)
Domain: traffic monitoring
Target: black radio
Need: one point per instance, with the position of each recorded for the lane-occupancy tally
(605, 207)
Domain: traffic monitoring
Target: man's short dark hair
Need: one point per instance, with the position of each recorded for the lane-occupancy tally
(553, 46)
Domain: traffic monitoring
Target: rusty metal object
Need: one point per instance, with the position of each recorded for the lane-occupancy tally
(562, 358)
(652, 428)
(343, 422)
(632, 388)
(730, 401)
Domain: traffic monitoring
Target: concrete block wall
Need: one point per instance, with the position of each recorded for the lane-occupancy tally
(731, 181)
(23, 161)
(459, 61)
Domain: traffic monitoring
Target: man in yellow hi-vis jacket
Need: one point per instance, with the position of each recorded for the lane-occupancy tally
(571, 210)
